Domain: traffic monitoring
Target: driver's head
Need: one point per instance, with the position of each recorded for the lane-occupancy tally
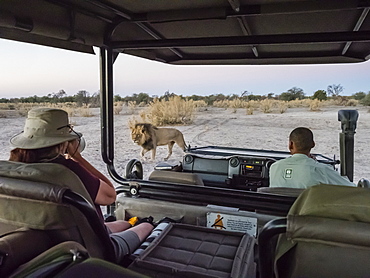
(301, 140)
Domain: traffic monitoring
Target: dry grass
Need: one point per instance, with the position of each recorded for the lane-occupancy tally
(352, 102)
(85, 112)
(283, 106)
(236, 103)
(175, 111)
(221, 103)
(315, 105)
(131, 107)
(266, 105)
(118, 107)
(250, 110)
(178, 111)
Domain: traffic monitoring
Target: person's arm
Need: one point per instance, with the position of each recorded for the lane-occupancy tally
(107, 193)
(333, 177)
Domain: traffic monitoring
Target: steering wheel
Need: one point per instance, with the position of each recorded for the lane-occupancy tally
(269, 162)
(134, 169)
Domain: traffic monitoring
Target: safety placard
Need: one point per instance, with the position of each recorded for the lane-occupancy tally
(235, 223)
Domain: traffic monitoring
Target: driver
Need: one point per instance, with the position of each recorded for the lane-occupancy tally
(49, 138)
(301, 170)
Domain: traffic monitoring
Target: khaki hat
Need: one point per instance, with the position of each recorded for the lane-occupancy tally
(45, 127)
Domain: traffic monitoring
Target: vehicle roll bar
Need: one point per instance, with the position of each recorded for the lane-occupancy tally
(348, 119)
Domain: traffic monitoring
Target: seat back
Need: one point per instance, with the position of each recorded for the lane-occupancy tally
(49, 209)
(327, 234)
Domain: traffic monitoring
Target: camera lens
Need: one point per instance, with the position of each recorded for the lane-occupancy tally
(82, 144)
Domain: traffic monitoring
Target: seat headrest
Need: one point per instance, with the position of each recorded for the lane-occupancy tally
(335, 202)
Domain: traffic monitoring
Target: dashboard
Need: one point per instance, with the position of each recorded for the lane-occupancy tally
(237, 168)
(249, 173)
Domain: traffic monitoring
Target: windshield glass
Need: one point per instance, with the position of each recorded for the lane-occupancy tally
(230, 106)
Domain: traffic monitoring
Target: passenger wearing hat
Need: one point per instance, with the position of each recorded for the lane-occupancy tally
(48, 137)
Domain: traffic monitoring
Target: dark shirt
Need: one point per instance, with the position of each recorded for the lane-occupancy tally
(91, 182)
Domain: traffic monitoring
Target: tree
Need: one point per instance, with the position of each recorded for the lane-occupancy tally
(359, 95)
(82, 98)
(335, 90)
(292, 94)
(117, 98)
(366, 100)
(95, 99)
(60, 94)
(143, 97)
(270, 95)
(320, 95)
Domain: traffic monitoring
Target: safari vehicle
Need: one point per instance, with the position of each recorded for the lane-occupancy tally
(49, 229)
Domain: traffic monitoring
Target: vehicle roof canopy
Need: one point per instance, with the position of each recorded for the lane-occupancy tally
(198, 32)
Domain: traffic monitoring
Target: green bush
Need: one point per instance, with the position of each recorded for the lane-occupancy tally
(359, 95)
(366, 100)
(320, 95)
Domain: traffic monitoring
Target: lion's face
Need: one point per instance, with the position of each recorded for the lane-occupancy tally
(139, 134)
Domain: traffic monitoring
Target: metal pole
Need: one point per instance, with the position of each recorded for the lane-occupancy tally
(348, 119)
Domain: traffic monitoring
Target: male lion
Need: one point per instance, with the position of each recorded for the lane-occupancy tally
(149, 137)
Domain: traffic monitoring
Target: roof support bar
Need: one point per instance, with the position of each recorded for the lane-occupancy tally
(235, 4)
(106, 98)
(247, 31)
(147, 28)
(357, 27)
(325, 37)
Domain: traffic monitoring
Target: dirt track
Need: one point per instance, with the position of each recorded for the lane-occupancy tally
(216, 126)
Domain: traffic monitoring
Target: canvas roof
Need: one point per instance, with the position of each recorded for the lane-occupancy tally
(198, 32)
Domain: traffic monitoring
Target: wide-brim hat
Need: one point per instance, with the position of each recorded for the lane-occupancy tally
(45, 127)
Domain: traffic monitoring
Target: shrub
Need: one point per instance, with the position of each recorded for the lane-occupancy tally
(221, 103)
(85, 112)
(131, 107)
(352, 102)
(236, 103)
(359, 95)
(266, 106)
(292, 94)
(315, 105)
(172, 112)
(118, 107)
(283, 107)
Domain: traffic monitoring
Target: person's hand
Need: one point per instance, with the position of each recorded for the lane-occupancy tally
(72, 149)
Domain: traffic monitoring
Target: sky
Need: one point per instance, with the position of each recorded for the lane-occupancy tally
(28, 70)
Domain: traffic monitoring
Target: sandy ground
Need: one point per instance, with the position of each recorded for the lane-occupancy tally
(220, 127)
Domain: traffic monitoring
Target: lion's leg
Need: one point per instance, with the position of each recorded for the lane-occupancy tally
(142, 153)
(153, 153)
(181, 143)
(170, 147)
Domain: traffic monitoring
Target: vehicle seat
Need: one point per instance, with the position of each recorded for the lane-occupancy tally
(42, 205)
(327, 235)
(176, 177)
(71, 259)
(53, 261)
